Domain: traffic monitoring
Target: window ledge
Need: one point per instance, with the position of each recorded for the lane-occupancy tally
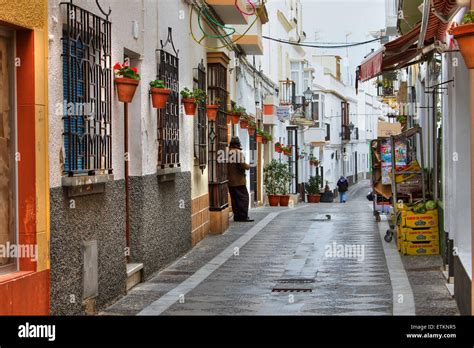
(74, 181)
(167, 174)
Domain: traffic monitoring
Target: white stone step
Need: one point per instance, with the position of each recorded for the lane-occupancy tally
(134, 274)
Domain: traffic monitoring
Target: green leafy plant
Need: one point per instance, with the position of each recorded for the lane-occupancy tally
(276, 178)
(252, 125)
(313, 186)
(157, 84)
(468, 17)
(186, 93)
(239, 110)
(124, 70)
(197, 94)
(267, 136)
(261, 132)
(245, 117)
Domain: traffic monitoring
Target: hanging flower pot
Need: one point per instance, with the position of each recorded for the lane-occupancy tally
(229, 119)
(259, 138)
(244, 124)
(464, 35)
(235, 118)
(126, 88)
(159, 97)
(264, 141)
(251, 131)
(189, 106)
(126, 81)
(278, 148)
(212, 112)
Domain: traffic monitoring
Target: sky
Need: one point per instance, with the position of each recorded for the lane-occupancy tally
(331, 20)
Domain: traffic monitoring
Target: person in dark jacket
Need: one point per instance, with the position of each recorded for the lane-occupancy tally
(236, 168)
(342, 187)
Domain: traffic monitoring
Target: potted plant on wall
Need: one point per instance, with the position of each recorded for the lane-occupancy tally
(278, 147)
(126, 81)
(266, 137)
(236, 113)
(313, 189)
(191, 99)
(244, 121)
(464, 35)
(252, 127)
(159, 94)
(260, 135)
(212, 108)
(286, 150)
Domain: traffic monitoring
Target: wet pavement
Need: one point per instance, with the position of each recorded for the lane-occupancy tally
(314, 259)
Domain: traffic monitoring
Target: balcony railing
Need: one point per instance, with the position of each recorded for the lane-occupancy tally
(287, 92)
(345, 133)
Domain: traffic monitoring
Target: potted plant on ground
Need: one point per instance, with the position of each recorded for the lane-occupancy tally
(260, 134)
(212, 109)
(252, 127)
(464, 35)
(278, 147)
(285, 178)
(126, 80)
(313, 189)
(271, 181)
(159, 94)
(236, 113)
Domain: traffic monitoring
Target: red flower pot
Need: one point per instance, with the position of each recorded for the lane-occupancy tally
(278, 148)
(126, 88)
(264, 141)
(235, 118)
(212, 112)
(259, 138)
(189, 106)
(273, 200)
(287, 153)
(159, 97)
(464, 35)
(244, 124)
(284, 200)
(314, 198)
(251, 131)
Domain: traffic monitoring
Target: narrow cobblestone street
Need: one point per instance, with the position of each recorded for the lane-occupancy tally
(277, 266)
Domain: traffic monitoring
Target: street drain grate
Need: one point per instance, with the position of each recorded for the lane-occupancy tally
(296, 280)
(291, 290)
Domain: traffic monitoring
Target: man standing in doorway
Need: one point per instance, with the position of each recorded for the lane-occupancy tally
(342, 187)
(239, 194)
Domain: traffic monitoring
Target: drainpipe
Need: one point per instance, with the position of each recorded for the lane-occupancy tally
(471, 85)
(424, 23)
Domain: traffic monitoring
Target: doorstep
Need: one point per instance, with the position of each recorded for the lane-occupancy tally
(134, 274)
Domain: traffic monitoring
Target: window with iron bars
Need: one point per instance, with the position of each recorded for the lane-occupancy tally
(217, 93)
(200, 127)
(87, 89)
(168, 118)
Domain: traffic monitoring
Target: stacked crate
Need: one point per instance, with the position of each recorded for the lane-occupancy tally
(418, 233)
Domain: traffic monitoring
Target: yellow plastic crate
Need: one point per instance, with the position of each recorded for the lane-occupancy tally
(420, 234)
(420, 248)
(413, 220)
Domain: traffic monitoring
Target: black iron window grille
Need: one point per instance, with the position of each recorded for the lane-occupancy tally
(200, 127)
(168, 118)
(217, 93)
(87, 88)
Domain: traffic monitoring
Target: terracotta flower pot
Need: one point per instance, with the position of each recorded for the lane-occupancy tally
(251, 131)
(264, 141)
(284, 200)
(464, 35)
(278, 148)
(259, 138)
(273, 200)
(229, 119)
(212, 112)
(244, 124)
(159, 97)
(235, 118)
(314, 198)
(287, 153)
(189, 106)
(126, 88)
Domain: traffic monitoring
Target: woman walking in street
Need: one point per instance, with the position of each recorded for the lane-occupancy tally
(342, 187)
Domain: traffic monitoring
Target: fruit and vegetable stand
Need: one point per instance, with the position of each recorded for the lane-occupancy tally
(416, 217)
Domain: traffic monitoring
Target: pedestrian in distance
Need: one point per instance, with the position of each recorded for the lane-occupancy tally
(236, 168)
(342, 187)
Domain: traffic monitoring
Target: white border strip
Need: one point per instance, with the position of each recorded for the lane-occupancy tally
(403, 299)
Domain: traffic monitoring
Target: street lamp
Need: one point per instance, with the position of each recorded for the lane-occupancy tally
(308, 95)
(351, 126)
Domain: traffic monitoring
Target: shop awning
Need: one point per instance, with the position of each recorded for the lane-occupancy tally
(402, 50)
